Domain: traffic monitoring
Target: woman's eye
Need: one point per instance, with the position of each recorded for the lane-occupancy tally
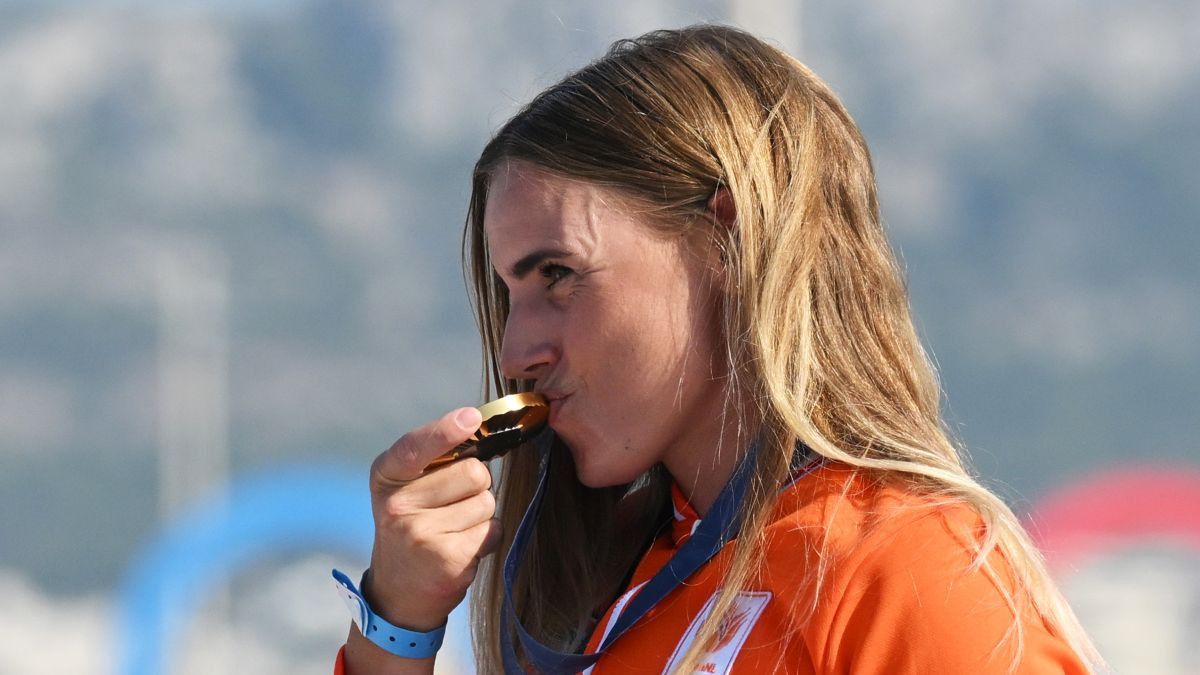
(553, 273)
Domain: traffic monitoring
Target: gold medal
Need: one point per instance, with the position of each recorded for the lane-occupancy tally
(507, 423)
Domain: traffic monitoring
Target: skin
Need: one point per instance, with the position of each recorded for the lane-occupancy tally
(616, 323)
(431, 531)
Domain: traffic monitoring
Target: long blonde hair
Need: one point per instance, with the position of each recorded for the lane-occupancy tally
(816, 318)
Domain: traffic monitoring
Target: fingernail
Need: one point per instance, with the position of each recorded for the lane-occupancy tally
(468, 419)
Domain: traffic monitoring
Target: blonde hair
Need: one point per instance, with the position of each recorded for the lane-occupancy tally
(818, 332)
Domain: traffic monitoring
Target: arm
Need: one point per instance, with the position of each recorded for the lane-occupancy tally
(367, 658)
(430, 532)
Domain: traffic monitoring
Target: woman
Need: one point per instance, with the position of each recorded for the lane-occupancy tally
(680, 246)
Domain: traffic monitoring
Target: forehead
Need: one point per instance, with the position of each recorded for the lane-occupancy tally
(527, 206)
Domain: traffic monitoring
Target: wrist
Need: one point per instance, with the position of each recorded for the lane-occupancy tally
(394, 608)
(396, 640)
(363, 656)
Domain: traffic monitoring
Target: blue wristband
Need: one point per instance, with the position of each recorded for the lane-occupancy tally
(392, 639)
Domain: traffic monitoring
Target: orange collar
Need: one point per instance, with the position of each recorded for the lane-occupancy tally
(685, 520)
(684, 517)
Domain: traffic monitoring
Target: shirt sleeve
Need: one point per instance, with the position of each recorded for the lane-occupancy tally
(339, 665)
(911, 603)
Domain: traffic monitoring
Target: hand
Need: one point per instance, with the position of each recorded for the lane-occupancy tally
(431, 529)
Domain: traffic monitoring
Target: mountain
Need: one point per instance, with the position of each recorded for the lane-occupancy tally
(1036, 165)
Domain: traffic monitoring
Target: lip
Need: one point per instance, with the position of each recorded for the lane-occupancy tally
(556, 403)
(550, 394)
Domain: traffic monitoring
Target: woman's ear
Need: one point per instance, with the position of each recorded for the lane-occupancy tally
(721, 207)
(724, 215)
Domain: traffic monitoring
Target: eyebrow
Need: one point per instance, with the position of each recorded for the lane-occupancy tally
(528, 262)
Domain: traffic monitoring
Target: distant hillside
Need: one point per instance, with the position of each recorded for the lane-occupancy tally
(1037, 169)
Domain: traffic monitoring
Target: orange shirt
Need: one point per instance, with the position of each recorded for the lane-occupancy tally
(897, 597)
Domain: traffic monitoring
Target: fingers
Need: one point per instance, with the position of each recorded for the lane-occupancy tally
(479, 541)
(490, 538)
(451, 499)
(449, 484)
(409, 456)
(420, 571)
(432, 528)
(468, 513)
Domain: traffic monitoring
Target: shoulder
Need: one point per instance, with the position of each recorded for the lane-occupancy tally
(851, 513)
(890, 580)
(853, 526)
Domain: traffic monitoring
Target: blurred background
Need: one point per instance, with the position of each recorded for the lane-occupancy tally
(229, 276)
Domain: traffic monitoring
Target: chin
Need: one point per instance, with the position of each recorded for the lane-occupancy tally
(589, 480)
(593, 472)
(600, 478)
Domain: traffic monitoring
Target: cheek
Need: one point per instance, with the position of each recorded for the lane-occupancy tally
(643, 345)
(641, 338)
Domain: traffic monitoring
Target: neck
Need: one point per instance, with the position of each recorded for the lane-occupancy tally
(702, 462)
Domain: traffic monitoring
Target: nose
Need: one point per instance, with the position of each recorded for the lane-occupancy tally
(529, 349)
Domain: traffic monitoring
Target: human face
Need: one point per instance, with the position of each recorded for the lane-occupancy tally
(616, 323)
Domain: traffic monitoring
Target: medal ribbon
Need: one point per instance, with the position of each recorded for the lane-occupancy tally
(718, 527)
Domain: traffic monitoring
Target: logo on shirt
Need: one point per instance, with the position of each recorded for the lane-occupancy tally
(735, 627)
